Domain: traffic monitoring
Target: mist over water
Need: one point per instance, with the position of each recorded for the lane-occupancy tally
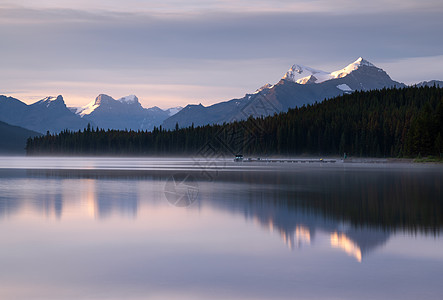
(151, 228)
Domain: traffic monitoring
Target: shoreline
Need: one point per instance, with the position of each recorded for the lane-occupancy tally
(256, 158)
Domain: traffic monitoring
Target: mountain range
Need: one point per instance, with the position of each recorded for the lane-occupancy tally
(124, 113)
(51, 114)
(300, 85)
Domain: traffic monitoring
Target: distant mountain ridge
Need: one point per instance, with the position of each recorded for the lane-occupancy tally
(13, 138)
(49, 114)
(430, 83)
(405, 122)
(300, 85)
(124, 113)
(306, 75)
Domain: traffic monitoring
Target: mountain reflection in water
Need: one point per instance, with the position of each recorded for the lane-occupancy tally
(358, 209)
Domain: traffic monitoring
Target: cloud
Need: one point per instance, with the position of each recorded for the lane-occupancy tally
(238, 50)
(198, 6)
(121, 40)
(415, 69)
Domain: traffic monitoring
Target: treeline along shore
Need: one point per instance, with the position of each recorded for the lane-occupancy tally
(406, 122)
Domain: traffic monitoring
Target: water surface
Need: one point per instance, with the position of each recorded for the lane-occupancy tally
(113, 228)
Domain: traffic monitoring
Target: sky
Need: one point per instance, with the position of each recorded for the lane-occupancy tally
(176, 52)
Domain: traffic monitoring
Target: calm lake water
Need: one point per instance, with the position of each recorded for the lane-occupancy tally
(97, 228)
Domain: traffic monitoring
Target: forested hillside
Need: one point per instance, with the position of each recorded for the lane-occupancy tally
(13, 138)
(383, 123)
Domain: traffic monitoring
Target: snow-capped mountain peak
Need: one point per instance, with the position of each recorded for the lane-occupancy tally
(267, 86)
(91, 106)
(87, 109)
(128, 99)
(48, 101)
(305, 75)
(301, 74)
(364, 62)
(101, 99)
(173, 110)
(124, 113)
(351, 67)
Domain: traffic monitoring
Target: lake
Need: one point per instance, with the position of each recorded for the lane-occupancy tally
(156, 228)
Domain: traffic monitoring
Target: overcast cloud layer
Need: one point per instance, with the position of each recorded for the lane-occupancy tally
(180, 52)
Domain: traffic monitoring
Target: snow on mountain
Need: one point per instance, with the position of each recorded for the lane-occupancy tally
(430, 83)
(124, 113)
(49, 114)
(102, 99)
(305, 75)
(129, 99)
(302, 74)
(351, 67)
(300, 85)
(50, 101)
(344, 87)
(267, 86)
(169, 111)
(173, 110)
(87, 109)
